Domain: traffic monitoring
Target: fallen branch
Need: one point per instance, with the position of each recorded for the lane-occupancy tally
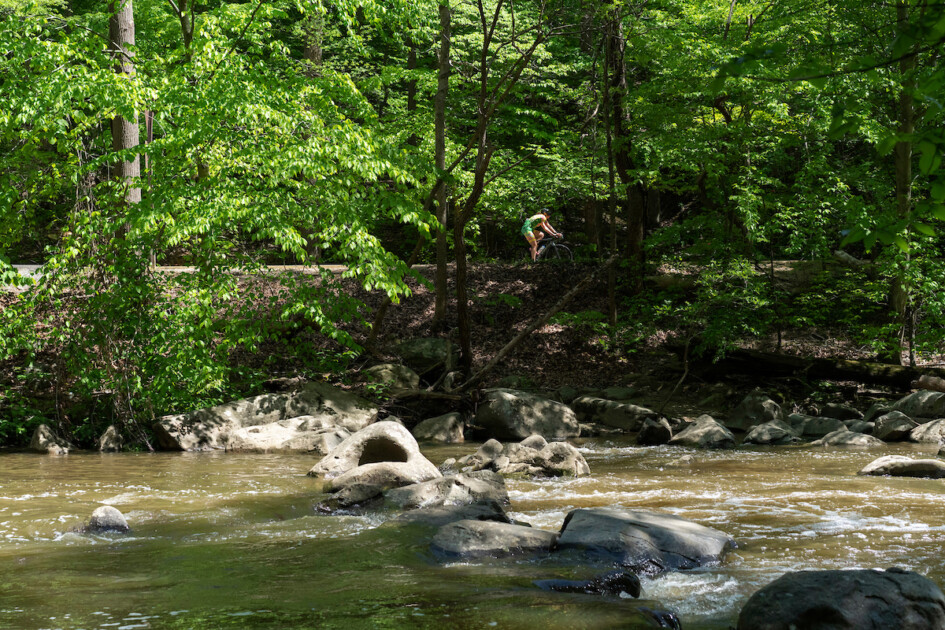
(541, 321)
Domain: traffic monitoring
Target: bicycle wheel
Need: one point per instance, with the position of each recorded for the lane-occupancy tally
(560, 252)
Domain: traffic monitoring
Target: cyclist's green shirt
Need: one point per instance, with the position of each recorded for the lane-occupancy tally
(531, 223)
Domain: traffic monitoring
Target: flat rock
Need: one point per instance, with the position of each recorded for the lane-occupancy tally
(645, 542)
(900, 466)
(619, 415)
(704, 432)
(442, 515)
(929, 433)
(468, 540)
(846, 438)
(840, 600)
(508, 414)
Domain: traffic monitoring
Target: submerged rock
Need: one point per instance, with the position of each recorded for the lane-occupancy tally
(444, 514)
(612, 583)
(899, 466)
(704, 432)
(469, 540)
(645, 542)
(461, 489)
(515, 415)
(854, 600)
(107, 519)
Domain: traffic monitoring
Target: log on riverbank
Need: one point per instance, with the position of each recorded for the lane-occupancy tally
(776, 364)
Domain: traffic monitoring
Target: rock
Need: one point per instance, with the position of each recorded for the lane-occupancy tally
(683, 462)
(302, 434)
(107, 519)
(613, 583)
(841, 412)
(427, 354)
(814, 426)
(461, 489)
(876, 410)
(899, 466)
(515, 415)
(655, 431)
(442, 515)
(756, 408)
(566, 394)
(110, 441)
(553, 459)
(384, 454)
(678, 424)
(467, 540)
(843, 437)
(894, 426)
(773, 432)
(398, 378)
(859, 426)
(929, 433)
(352, 495)
(559, 459)
(856, 599)
(620, 415)
(45, 441)
(447, 429)
(324, 407)
(645, 542)
(922, 404)
(704, 432)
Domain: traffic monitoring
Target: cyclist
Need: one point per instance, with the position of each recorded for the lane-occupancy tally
(536, 228)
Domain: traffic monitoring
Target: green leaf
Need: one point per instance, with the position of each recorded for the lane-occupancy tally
(902, 243)
(923, 228)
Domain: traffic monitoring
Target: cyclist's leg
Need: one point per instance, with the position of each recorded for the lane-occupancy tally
(532, 244)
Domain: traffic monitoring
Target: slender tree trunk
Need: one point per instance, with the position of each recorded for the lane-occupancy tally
(899, 297)
(314, 30)
(121, 36)
(611, 179)
(443, 81)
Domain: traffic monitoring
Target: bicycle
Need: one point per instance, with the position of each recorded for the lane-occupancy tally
(550, 249)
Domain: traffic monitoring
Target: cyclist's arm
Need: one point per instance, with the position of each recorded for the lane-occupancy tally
(547, 227)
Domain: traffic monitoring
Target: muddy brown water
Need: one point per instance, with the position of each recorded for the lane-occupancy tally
(232, 541)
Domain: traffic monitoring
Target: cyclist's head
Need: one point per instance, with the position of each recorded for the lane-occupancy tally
(546, 212)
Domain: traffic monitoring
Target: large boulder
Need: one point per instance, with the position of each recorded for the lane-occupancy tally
(814, 426)
(107, 519)
(756, 408)
(841, 412)
(398, 378)
(862, 599)
(929, 433)
(894, 426)
(922, 404)
(773, 432)
(508, 414)
(461, 489)
(645, 542)
(900, 466)
(225, 427)
(654, 432)
(467, 540)
(45, 441)
(447, 429)
(704, 432)
(619, 415)
(302, 434)
(385, 447)
(427, 354)
(850, 439)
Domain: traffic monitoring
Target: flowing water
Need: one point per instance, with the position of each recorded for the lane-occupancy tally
(229, 540)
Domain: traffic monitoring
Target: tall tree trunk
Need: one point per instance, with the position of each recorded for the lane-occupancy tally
(314, 32)
(121, 37)
(611, 176)
(414, 139)
(899, 297)
(443, 82)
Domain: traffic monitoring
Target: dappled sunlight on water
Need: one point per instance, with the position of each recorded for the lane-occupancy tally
(234, 540)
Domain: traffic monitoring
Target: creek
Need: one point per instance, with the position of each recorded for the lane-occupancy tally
(232, 540)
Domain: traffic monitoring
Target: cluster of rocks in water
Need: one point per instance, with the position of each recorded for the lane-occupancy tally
(371, 463)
